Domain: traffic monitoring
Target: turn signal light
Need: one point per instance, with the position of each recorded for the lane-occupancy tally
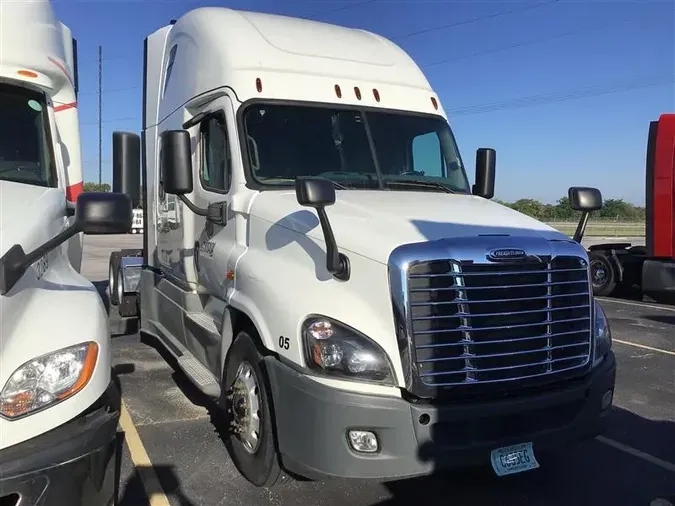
(27, 73)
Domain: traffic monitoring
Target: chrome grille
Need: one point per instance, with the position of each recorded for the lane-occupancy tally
(499, 322)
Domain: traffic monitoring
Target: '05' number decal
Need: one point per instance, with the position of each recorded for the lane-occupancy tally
(284, 343)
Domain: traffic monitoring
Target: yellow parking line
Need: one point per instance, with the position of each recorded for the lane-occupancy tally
(151, 485)
(645, 347)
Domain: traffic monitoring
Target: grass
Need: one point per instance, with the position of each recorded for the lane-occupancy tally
(603, 228)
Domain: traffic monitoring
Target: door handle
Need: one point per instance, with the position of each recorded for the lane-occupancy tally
(217, 213)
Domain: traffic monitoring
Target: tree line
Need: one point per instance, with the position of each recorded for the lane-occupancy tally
(613, 209)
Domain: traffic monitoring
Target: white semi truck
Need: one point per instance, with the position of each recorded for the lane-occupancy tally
(317, 262)
(59, 405)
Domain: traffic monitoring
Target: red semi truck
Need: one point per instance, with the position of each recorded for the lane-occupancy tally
(650, 267)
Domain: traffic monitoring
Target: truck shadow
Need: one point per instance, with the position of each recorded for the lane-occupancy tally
(666, 319)
(142, 484)
(277, 237)
(633, 464)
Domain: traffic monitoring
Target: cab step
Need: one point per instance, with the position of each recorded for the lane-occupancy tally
(205, 321)
(199, 375)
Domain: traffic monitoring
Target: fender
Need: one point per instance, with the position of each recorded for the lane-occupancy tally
(247, 306)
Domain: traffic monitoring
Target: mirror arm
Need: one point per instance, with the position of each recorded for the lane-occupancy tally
(336, 263)
(197, 210)
(15, 261)
(581, 227)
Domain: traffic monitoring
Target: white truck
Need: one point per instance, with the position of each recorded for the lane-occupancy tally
(59, 405)
(317, 262)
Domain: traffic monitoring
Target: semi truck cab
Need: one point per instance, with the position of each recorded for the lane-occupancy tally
(59, 404)
(317, 261)
(650, 268)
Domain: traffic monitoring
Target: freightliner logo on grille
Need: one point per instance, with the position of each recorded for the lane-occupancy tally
(506, 254)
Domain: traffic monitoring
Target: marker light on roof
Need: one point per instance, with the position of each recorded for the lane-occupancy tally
(338, 91)
(27, 73)
(376, 94)
(357, 91)
(434, 102)
(258, 84)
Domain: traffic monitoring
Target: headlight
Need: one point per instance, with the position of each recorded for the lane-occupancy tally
(601, 333)
(335, 349)
(48, 380)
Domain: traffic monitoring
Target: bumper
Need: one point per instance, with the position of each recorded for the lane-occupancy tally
(313, 420)
(74, 464)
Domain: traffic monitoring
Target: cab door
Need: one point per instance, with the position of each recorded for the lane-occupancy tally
(215, 241)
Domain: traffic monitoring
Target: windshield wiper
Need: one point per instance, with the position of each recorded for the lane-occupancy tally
(412, 183)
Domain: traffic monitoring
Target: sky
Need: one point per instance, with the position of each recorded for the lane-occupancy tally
(564, 90)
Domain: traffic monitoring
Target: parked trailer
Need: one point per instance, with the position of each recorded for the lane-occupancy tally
(415, 325)
(59, 406)
(651, 267)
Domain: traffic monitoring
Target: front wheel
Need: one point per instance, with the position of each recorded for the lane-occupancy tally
(247, 401)
(603, 275)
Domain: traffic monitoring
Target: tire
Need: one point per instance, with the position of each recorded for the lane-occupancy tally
(603, 274)
(259, 461)
(113, 270)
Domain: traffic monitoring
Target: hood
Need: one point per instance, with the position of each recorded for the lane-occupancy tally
(374, 223)
(28, 214)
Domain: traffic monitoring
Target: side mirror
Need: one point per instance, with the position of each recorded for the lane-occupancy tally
(318, 193)
(314, 192)
(584, 199)
(126, 158)
(95, 213)
(103, 213)
(486, 162)
(175, 162)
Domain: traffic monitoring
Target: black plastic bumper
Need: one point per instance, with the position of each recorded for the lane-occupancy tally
(74, 464)
(313, 422)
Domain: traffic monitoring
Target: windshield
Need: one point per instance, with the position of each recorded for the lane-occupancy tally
(25, 154)
(353, 148)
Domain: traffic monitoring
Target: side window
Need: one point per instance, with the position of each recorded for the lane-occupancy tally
(426, 155)
(169, 67)
(215, 169)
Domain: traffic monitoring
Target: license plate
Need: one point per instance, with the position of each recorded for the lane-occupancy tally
(513, 459)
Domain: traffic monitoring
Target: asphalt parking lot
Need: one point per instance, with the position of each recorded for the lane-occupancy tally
(175, 437)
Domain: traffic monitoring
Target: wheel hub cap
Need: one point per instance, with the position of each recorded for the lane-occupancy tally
(599, 273)
(245, 408)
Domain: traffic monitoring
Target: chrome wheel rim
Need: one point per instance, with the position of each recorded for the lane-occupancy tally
(245, 408)
(599, 273)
